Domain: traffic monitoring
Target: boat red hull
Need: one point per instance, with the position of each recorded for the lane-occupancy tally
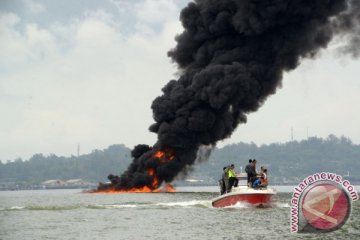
(232, 199)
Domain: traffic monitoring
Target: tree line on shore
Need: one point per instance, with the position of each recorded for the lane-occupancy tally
(287, 163)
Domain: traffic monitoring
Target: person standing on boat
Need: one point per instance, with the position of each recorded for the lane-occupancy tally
(248, 171)
(233, 181)
(224, 181)
(253, 174)
(226, 178)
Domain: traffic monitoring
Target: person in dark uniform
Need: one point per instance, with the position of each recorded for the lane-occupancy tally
(248, 171)
(253, 174)
(223, 181)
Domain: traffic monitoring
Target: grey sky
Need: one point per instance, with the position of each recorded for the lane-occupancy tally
(87, 71)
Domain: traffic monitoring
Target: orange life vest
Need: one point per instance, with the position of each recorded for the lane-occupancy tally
(264, 179)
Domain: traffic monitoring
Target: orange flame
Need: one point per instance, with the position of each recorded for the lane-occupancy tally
(167, 188)
(159, 154)
(144, 189)
(170, 188)
(155, 181)
(164, 156)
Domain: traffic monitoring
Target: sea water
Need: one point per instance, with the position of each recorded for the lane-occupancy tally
(71, 214)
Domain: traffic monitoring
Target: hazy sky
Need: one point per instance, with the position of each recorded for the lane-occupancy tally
(86, 72)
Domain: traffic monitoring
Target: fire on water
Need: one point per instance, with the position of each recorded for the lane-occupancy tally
(167, 188)
(163, 157)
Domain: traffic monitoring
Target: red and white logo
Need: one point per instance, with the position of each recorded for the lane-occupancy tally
(325, 206)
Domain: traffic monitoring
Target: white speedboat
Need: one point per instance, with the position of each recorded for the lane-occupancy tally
(244, 194)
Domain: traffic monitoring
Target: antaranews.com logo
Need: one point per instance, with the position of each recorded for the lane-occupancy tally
(321, 203)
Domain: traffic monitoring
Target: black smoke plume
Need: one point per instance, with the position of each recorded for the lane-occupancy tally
(231, 56)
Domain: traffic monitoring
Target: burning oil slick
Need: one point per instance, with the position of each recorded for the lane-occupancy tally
(231, 56)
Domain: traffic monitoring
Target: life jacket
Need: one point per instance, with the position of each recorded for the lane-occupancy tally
(264, 179)
(231, 173)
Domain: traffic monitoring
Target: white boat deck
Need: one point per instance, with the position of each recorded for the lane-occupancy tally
(248, 190)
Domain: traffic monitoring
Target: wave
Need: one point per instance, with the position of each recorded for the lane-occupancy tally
(280, 205)
(140, 205)
(241, 205)
(184, 204)
(111, 206)
(187, 204)
(13, 208)
(40, 208)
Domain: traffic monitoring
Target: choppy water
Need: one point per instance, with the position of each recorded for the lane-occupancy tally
(70, 214)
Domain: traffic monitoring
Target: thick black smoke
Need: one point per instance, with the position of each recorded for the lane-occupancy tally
(231, 57)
